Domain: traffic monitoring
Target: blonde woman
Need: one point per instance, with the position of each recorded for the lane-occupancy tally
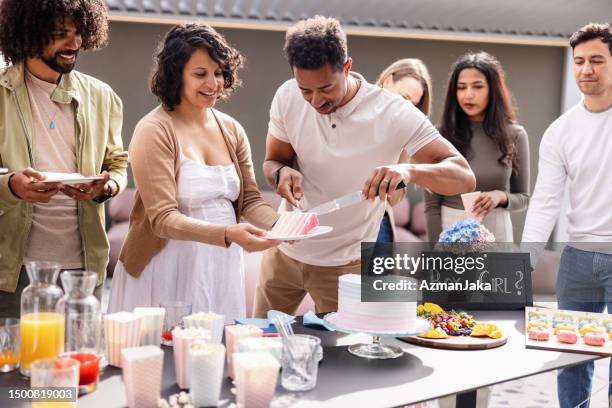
(409, 78)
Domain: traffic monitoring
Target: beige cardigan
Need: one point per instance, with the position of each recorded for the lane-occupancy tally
(155, 218)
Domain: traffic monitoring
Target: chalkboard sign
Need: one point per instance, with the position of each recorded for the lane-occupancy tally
(459, 279)
(503, 284)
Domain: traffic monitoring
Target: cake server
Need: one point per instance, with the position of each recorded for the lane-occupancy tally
(342, 202)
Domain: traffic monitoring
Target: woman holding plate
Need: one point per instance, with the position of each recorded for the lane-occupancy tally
(194, 183)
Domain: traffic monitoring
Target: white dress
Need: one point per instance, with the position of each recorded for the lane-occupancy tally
(210, 277)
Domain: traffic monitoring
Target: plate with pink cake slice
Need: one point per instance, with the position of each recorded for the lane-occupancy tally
(315, 232)
(296, 226)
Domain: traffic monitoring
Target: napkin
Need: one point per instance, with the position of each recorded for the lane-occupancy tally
(311, 319)
(266, 324)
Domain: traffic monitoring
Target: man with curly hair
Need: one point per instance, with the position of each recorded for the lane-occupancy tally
(331, 133)
(54, 119)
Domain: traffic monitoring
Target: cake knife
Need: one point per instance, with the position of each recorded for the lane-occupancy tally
(342, 202)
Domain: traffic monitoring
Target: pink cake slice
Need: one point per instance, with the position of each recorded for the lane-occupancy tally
(594, 339)
(538, 333)
(293, 224)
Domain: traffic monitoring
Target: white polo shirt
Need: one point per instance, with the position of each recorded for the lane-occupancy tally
(336, 154)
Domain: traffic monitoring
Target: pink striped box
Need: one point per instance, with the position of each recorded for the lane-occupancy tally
(122, 330)
(233, 334)
(182, 339)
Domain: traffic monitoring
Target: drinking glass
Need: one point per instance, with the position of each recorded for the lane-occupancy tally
(9, 344)
(55, 372)
(300, 362)
(175, 311)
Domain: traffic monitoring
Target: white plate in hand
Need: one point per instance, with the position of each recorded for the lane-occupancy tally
(69, 178)
(315, 232)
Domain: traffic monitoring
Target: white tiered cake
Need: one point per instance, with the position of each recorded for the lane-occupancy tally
(371, 316)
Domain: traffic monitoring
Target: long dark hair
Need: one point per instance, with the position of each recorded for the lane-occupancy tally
(499, 113)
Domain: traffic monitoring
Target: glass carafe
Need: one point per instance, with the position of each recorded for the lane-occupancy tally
(42, 328)
(83, 316)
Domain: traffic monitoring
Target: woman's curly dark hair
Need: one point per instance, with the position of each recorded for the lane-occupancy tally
(174, 51)
(26, 26)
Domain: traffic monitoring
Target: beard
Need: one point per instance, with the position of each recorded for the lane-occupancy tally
(55, 64)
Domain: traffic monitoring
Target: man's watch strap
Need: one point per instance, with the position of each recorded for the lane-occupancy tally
(108, 194)
(277, 175)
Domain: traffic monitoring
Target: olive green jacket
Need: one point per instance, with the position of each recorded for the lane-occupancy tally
(99, 116)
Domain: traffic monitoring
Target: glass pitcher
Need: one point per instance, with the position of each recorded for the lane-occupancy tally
(83, 316)
(42, 328)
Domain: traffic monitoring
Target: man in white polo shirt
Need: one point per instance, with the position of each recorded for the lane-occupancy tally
(332, 133)
(574, 151)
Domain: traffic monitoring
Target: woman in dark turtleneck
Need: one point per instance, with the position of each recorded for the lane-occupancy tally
(479, 120)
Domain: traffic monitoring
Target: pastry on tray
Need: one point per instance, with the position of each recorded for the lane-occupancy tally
(567, 336)
(532, 324)
(538, 334)
(589, 329)
(564, 326)
(594, 339)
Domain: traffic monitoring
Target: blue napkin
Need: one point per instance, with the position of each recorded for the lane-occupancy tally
(311, 319)
(266, 324)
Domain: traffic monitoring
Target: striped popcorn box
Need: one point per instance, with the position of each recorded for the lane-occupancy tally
(142, 375)
(122, 330)
(272, 345)
(208, 320)
(181, 339)
(205, 363)
(233, 333)
(256, 377)
(151, 324)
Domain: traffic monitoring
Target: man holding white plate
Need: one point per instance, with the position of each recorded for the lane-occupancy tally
(55, 120)
(331, 134)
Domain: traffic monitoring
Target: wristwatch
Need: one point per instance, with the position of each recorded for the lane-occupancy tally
(277, 175)
(107, 195)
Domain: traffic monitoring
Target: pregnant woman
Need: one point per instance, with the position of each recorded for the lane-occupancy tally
(194, 182)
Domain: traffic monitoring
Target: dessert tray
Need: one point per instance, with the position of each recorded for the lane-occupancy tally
(375, 350)
(568, 331)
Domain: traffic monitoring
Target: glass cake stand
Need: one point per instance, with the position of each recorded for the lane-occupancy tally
(376, 350)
